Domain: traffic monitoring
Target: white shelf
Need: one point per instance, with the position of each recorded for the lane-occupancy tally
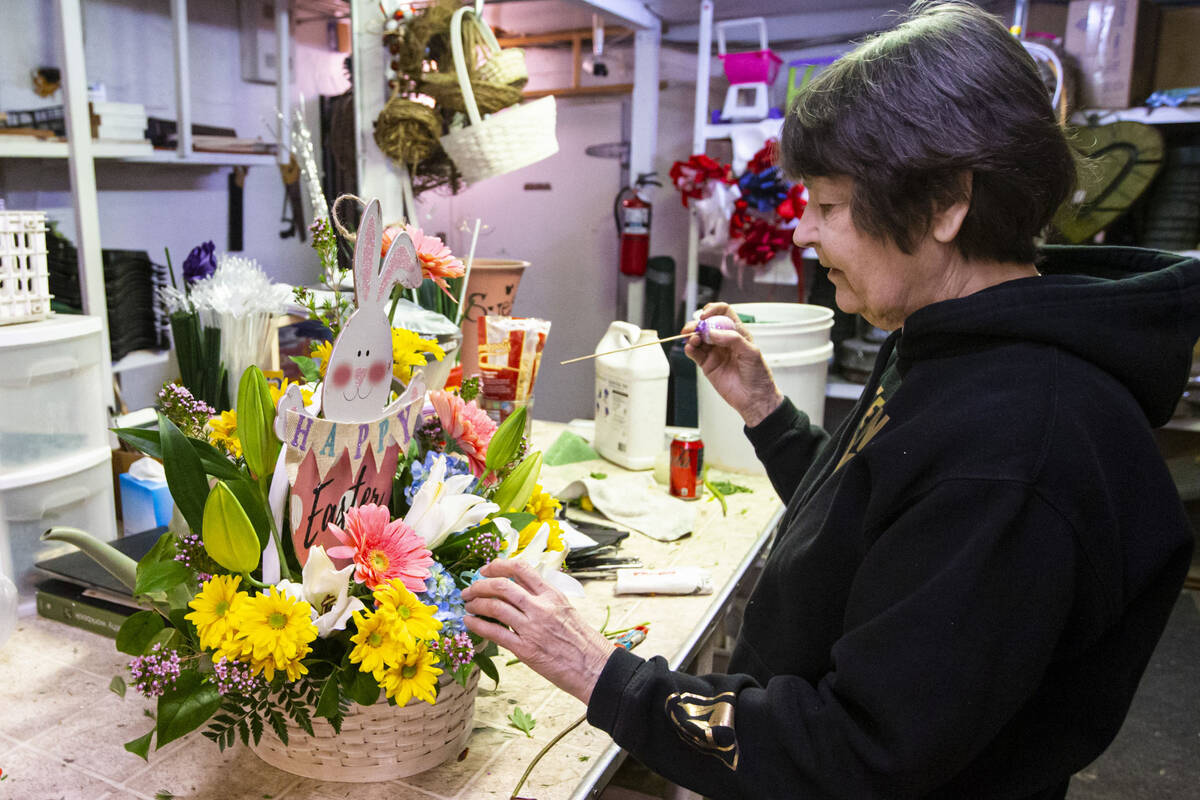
(130, 153)
(1189, 424)
(771, 128)
(141, 358)
(843, 390)
(1151, 116)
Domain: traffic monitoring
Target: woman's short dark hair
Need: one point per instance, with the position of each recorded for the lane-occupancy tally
(911, 110)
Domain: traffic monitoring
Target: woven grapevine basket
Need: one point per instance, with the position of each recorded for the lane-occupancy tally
(379, 742)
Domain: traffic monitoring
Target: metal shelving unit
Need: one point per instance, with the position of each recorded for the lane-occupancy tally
(81, 151)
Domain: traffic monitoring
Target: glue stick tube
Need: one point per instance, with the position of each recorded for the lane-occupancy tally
(677, 580)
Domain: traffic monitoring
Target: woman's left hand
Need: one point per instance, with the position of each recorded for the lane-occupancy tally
(543, 630)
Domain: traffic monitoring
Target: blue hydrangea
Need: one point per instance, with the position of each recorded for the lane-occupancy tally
(420, 472)
(441, 591)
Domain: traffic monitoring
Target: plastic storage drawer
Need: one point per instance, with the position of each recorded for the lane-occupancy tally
(75, 492)
(51, 391)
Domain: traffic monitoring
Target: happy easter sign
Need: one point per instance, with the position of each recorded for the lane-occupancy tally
(335, 466)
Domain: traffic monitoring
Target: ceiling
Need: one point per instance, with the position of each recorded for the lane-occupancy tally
(789, 22)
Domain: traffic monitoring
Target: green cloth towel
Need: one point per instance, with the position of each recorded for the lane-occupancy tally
(568, 448)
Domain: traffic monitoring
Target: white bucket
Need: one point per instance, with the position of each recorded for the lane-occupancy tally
(799, 374)
(787, 327)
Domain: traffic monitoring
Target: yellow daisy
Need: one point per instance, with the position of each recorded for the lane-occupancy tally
(278, 392)
(274, 631)
(216, 607)
(415, 676)
(411, 620)
(542, 504)
(223, 433)
(408, 351)
(321, 351)
(553, 542)
(374, 644)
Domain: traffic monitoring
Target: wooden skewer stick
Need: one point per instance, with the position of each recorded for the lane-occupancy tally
(631, 347)
(703, 328)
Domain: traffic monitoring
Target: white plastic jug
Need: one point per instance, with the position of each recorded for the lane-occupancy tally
(631, 397)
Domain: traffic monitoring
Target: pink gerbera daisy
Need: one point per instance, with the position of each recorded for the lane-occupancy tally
(382, 548)
(467, 424)
(437, 262)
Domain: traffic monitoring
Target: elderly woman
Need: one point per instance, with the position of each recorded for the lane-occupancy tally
(973, 571)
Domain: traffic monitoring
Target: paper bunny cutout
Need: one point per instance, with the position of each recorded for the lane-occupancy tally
(358, 380)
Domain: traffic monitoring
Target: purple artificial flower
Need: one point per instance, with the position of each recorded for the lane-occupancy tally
(201, 263)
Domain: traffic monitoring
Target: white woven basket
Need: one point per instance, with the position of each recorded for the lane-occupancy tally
(511, 138)
(24, 277)
(503, 66)
(379, 742)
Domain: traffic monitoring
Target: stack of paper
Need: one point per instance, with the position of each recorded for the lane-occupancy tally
(118, 121)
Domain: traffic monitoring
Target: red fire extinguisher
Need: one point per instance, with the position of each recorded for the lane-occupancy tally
(632, 214)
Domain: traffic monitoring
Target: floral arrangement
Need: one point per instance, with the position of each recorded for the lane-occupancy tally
(268, 601)
(239, 635)
(749, 216)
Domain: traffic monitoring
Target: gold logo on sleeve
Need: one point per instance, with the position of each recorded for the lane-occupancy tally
(706, 723)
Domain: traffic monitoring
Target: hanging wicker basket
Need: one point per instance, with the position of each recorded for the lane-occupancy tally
(379, 742)
(505, 66)
(505, 141)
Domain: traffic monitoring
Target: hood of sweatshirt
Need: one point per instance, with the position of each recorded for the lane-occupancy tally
(1134, 313)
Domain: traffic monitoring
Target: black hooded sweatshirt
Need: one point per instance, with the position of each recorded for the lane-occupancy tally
(970, 576)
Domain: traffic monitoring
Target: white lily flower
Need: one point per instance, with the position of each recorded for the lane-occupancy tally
(547, 563)
(443, 506)
(327, 590)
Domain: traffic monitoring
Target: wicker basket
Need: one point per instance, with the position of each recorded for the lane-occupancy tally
(379, 742)
(24, 276)
(507, 140)
(504, 66)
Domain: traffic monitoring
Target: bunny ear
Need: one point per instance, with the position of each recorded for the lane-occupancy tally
(366, 252)
(401, 266)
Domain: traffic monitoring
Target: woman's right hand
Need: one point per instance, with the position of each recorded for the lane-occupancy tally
(734, 366)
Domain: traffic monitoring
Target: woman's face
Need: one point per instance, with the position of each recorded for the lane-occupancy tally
(873, 278)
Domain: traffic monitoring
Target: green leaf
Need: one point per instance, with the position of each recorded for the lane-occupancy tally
(256, 418)
(248, 494)
(141, 745)
(160, 576)
(327, 705)
(185, 474)
(515, 490)
(136, 632)
(487, 667)
(185, 707)
(360, 686)
(229, 537)
(506, 440)
(310, 368)
(215, 463)
(522, 721)
(598, 475)
(729, 487)
(117, 686)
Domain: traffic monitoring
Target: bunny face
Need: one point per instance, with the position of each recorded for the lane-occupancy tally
(359, 377)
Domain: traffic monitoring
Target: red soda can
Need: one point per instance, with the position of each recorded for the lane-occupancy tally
(687, 461)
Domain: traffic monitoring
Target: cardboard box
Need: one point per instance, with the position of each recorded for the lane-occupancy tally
(1178, 58)
(1113, 43)
(1046, 18)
